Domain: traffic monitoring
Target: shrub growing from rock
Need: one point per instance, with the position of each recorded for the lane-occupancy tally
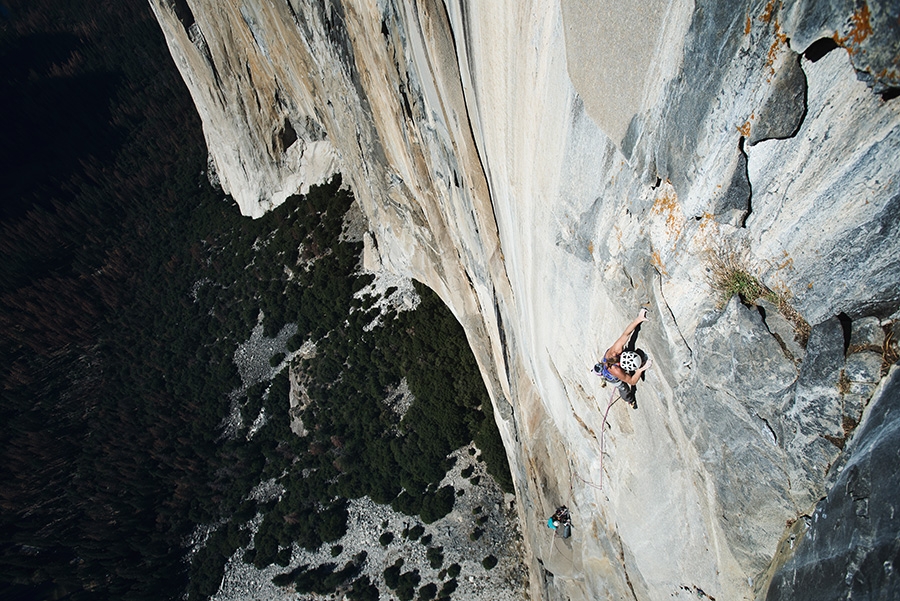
(406, 586)
(415, 532)
(428, 592)
(363, 590)
(448, 588)
(435, 556)
(436, 506)
(392, 574)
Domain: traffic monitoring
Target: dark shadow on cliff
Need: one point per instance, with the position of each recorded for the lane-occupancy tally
(55, 116)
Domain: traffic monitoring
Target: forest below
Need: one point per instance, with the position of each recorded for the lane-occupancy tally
(127, 284)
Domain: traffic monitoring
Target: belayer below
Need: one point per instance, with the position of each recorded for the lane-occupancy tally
(561, 522)
(623, 368)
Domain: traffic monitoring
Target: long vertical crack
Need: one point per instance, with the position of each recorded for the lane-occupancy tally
(662, 297)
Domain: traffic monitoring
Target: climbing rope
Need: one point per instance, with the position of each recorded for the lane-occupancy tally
(603, 428)
(613, 399)
(553, 538)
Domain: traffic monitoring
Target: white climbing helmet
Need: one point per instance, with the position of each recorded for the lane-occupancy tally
(630, 361)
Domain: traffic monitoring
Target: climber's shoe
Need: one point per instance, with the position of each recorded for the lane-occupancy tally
(630, 399)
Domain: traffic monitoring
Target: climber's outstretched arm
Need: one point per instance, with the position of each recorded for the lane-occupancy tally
(619, 345)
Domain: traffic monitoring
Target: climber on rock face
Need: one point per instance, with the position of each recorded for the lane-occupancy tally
(561, 522)
(618, 362)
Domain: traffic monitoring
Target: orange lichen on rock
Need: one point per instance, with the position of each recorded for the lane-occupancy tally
(889, 74)
(768, 12)
(744, 129)
(779, 41)
(656, 261)
(666, 204)
(860, 29)
(786, 262)
(862, 26)
(747, 25)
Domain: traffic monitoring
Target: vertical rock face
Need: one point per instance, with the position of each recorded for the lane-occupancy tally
(550, 166)
(852, 549)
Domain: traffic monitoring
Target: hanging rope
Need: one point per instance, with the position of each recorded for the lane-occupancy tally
(603, 428)
(553, 538)
(589, 483)
(613, 399)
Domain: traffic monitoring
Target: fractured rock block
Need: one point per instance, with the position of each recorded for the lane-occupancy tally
(740, 354)
(867, 332)
(785, 108)
(824, 355)
(782, 329)
(863, 367)
(862, 372)
(850, 550)
(814, 415)
(734, 205)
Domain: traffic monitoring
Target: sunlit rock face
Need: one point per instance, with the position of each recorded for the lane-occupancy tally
(549, 167)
